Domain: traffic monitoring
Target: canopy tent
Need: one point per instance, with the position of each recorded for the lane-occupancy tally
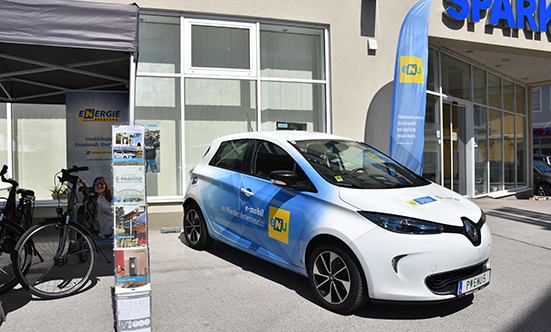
(48, 47)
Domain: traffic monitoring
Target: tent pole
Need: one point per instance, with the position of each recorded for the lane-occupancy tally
(10, 139)
(132, 89)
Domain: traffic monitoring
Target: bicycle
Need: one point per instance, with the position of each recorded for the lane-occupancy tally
(66, 250)
(10, 233)
(87, 212)
(25, 208)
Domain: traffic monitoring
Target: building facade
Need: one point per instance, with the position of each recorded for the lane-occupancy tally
(210, 68)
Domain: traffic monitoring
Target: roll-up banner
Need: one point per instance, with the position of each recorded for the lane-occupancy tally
(409, 96)
(90, 116)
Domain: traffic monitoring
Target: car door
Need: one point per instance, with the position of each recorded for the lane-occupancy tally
(272, 215)
(221, 189)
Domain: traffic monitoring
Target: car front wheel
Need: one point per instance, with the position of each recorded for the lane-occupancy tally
(195, 228)
(544, 189)
(335, 278)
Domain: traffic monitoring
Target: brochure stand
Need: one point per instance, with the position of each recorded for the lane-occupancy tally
(130, 243)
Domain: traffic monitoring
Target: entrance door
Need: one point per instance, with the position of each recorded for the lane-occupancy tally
(454, 139)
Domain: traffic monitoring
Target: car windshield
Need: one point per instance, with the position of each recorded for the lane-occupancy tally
(347, 163)
(542, 167)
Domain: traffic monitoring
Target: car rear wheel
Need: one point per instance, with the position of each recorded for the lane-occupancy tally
(335, 278)
(195, 228)
(543, 189)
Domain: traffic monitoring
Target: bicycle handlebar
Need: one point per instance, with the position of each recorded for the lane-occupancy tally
(66, 173)
(10, 181)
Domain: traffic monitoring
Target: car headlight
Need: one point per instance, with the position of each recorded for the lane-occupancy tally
(399, 224)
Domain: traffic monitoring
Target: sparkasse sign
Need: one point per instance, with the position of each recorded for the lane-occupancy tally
(514, 13)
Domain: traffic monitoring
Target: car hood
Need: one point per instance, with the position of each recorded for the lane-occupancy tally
(431, 202)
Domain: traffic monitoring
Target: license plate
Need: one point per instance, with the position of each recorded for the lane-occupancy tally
(472, 284)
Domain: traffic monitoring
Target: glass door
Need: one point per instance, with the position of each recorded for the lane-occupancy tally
(455, 141)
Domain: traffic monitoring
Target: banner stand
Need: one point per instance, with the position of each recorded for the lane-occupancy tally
(132, 291)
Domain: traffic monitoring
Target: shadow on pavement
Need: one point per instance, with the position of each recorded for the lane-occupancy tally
(520, 215)
(299, 284)
(17, 298)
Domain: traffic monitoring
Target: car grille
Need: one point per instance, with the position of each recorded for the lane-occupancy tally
(446, 283)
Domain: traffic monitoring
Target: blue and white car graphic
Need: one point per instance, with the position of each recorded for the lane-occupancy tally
(359, 225)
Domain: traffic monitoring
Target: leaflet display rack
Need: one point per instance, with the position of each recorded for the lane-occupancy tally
(130, 243)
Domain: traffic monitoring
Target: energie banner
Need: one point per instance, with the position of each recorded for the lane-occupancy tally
(409, 96)
(90, 116)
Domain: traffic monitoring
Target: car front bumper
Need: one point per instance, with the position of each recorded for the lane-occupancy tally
(399, 267)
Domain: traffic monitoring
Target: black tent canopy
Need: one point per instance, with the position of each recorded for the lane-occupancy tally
(48, 47)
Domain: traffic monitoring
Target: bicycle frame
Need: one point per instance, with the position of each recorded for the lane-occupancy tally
(66, 216)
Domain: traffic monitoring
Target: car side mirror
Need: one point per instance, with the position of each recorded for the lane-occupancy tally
(283, 178)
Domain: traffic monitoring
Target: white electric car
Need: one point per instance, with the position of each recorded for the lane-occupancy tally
(358, 224)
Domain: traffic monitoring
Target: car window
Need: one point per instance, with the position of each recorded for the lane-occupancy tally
(268, 157)
(352, 164)
(230, 155)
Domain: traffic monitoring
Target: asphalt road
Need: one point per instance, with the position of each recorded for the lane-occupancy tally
(223, 289)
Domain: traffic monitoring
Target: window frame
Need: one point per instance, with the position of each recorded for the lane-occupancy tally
(538, 90)
(221, 72)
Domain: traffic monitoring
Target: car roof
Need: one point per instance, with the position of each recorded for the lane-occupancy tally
(282, 136)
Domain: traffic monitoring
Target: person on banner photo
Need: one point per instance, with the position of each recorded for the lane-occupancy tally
(151, 144)
(105, 205)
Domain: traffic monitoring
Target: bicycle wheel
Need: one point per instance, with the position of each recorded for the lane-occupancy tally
(47, 277)
(10, 233)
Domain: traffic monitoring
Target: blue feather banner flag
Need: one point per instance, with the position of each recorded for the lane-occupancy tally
(409, 96)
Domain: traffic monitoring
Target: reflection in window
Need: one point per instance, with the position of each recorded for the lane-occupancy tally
(496, 168)
(536, 99)
(290, 52)
(220, 47)
(431, 153)
(520, 93)
(456, 78)
(494, 90)
(509, 150)
(297, 104)
(479, 86)
(432, 73)
(159, 44)
(40, 149)
(508, 96)
(215, 108)
(158, 109)
(521, 151)
(230, 155)
(481, 149)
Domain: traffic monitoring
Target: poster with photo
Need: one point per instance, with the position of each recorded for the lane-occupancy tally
(90, 116)
(130, 227)
(131, 267)
(152, 143)
(128, 144)
(128, 185)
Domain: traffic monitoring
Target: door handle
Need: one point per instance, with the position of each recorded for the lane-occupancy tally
(246, 192)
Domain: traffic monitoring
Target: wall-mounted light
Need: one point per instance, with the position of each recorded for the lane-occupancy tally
(372, 44)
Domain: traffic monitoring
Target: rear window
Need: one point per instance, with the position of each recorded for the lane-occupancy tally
(230, 155)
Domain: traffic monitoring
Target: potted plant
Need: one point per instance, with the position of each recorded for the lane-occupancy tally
(59, 191)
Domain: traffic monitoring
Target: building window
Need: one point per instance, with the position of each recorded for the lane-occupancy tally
(39, 146)
(499, 112)
(456, 78)
(479, 86)
(159, 44)
(220, 48)
(235, 77)
(536, 99)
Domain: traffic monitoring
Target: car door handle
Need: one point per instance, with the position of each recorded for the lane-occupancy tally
(246, 192)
